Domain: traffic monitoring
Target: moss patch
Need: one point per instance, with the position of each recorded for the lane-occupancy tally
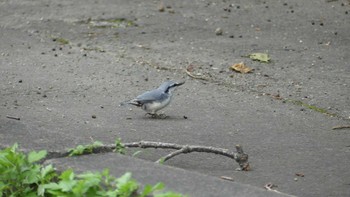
(60, 40)
(311, 107)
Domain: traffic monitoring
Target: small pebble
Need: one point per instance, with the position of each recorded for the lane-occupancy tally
(20, 81)
(218, 31)
(185, 117)
(93, 116)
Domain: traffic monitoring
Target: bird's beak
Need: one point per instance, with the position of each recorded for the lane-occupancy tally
(180, 83)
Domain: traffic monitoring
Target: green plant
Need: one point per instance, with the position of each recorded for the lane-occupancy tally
(84, 149)
(22, 176)
(119, 146)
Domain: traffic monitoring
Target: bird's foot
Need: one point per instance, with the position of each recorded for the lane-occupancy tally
(157, 116)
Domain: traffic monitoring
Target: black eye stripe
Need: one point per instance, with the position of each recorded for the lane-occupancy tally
(171, 86)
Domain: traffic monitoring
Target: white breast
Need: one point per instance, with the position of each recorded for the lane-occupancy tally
(156, 106)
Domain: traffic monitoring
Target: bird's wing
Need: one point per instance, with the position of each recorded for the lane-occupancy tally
(150, 96)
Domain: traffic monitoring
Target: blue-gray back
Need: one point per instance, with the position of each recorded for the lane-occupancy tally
(151, 96)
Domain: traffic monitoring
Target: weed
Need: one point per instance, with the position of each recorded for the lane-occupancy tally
(21, 175)
(84, 149)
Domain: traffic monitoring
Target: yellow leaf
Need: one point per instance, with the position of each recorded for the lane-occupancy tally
(262, 57)
(241, 67)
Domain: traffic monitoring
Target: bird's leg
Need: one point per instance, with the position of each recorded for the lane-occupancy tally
(162, 116)
(155, 115)
(146, 114)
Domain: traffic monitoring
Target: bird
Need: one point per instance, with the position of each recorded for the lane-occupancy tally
(155, 100)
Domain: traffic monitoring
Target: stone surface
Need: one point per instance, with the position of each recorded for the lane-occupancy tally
(64, 62)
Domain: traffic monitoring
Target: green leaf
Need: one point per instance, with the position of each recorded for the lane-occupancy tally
(119, 146)
(46, 171)
(49, 186)
(124, 179)
(36, 156)
(14, 147)
(90, 175)
(31, 175)
(148, 189)
(262, 57)
(97, 144)
(136, 153)
(67, 185)
(109, 193)
(168, 194)
(67, 175)
(82, 149)
(79, 150)
(126, 186)
(158, 186)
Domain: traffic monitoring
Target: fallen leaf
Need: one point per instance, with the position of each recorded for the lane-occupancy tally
(262, 57)
(190, 68)
(161, 7)
(241, 67)
(299, 174)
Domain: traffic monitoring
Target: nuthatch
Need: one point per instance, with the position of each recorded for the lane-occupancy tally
(155, 100)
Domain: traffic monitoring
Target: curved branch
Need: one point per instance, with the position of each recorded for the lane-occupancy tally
(240, 157)
(184, 150)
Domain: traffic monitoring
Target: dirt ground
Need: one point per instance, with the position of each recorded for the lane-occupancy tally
(66, 65)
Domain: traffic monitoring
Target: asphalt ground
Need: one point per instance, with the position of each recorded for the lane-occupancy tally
(66, 66)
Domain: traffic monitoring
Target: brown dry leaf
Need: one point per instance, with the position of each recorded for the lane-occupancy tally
(299, 174)
(190, 68)
(161, 7)
(241, 67)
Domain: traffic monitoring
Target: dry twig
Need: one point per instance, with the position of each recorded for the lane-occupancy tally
(341, 127)
(196, 76)
(227, 178)
(270, 187)
(13, 117)
(240, 157)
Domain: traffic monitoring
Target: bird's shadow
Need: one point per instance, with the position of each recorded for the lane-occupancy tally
(166, 118)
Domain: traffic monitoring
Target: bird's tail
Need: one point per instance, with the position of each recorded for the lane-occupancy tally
(128, 102)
